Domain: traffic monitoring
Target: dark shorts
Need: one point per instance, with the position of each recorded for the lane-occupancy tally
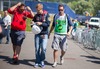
(17, 37)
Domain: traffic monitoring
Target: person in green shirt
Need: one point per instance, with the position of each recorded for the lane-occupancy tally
(61, 22)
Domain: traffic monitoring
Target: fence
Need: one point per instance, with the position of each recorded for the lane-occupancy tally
(90, 38)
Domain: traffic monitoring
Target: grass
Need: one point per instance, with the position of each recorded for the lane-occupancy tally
(28, 27)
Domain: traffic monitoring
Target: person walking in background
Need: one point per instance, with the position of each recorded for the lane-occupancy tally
(87, 23)
(75, 25)
(0, 30)
(0, 25)
(7, 22)
(41, 19)
(3, 32)
(0, 17)
(61, 21)
(18, 26)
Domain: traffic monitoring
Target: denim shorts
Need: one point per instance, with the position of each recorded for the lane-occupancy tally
(17, 37)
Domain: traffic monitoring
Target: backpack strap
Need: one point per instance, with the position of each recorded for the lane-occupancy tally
(45, 12)
(67, 22)
(44, 15)
(66, 16)
(55, 16)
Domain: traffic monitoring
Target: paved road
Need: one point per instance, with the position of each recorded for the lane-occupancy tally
(76, 56)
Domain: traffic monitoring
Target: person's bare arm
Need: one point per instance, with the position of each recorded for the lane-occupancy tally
(15, 6)
(0, 29)
(28, 8)
(70, 29)
(52, 27)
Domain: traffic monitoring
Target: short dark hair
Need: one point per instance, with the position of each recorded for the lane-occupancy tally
(73, 20)
(22, 5)
(61, 5)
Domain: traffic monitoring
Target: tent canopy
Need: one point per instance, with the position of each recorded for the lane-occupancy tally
(51, 7)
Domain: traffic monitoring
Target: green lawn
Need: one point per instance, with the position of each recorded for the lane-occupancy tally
(28, 27)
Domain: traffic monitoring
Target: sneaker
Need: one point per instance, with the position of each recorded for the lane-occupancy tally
(7, 42)
(15, 60)
(55, 64)
(14, 56)
(36, 65)
(61, 60)
(42, 64)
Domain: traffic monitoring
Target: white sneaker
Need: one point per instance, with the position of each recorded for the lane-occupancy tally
(36, 65)
(61, 60)
(55, 64)
(42, 64)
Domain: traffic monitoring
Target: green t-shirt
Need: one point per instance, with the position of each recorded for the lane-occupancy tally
(61, 24)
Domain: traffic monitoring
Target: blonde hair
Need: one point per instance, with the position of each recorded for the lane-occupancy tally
(39, 6)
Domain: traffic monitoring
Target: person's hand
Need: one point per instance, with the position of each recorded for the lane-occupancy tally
(48, 35)
(32, 22)
(28, 8)
(68, 34)
(0, 29)
(6, 27)
(18, 4)
(39, 23)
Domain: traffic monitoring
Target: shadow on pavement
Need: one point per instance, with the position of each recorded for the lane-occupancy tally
(5, 58)
(93, 59)
(29, 62)
(47, 63)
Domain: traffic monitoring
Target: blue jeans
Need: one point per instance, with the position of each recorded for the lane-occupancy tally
(8, 34)
(40, 47)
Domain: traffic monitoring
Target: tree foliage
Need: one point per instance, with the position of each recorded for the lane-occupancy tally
(92, 6)
(80, 6)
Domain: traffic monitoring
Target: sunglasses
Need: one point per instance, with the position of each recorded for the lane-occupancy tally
(60, 9)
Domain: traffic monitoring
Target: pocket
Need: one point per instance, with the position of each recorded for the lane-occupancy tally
(20, 37)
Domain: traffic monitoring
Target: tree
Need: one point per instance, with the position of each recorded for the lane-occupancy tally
(96, 6)
(80, 6)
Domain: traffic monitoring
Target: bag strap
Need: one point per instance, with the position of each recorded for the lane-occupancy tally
(44, 15)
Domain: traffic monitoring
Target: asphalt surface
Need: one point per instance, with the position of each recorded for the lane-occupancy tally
(76, 57)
